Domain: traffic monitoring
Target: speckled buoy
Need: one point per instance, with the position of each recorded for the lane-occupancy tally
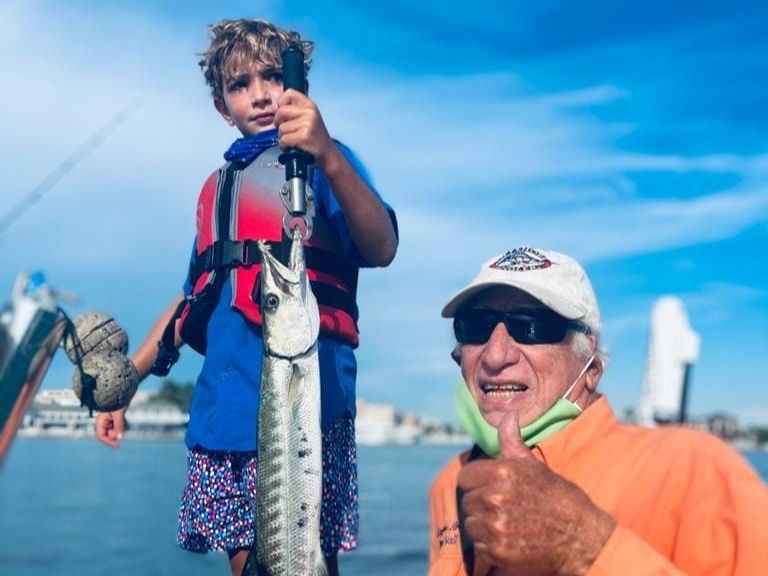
(115, 380)
(97, 332)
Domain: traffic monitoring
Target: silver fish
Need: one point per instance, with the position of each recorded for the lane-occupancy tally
(289, 475)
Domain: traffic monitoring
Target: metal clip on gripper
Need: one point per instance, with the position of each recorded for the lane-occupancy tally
(296, 161)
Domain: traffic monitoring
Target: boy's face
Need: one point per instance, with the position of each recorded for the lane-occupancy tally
(249, 97)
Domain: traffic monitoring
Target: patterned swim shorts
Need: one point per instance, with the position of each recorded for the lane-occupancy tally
(216, 506)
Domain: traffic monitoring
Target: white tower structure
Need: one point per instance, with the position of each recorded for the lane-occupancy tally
(673, 347)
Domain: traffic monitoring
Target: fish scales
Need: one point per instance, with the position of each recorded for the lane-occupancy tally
(289, 474)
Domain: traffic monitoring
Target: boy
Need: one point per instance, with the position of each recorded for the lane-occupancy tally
(352, 228)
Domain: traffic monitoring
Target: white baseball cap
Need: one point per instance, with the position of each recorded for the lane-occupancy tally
(556, 280)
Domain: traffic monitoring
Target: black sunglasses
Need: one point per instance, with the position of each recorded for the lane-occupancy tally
(475, 326)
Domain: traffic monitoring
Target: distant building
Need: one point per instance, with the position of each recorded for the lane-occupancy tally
(57, 397)
(723, 425)
(52, 419)
(58, 413)
(378, 424)
(65, 397)
(156, 417)
(375, 423)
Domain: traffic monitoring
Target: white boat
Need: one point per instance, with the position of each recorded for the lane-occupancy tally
(673, 347)
(31, 327)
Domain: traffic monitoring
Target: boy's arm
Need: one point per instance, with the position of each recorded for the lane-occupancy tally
(145, 355)
(109, 426)
(370, 226)
(369, 223)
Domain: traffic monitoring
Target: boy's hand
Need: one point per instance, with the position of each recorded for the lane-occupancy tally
(300, 125)
(109, 427)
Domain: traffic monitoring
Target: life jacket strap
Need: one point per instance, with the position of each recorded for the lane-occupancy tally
(226, 254)
(328, 295)
(167, 353)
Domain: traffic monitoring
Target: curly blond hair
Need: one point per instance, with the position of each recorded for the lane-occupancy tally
(238, 43)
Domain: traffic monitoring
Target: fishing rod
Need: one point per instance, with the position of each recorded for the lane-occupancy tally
(33, 324)
(93, 142)
(295, 160)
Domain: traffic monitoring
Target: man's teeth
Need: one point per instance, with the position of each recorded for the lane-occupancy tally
(502, 390)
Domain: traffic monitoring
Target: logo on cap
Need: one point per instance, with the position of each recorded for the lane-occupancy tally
(521, 260)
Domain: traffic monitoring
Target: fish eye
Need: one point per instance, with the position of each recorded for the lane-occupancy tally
(271, 301)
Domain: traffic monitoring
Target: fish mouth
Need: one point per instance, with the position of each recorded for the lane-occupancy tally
(276, 268)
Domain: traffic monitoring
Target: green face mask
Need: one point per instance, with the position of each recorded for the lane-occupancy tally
(486, 436)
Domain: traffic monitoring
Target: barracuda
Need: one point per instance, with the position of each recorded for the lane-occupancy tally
(289, 477)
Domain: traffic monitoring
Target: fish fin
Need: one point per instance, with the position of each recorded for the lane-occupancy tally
(321, 568)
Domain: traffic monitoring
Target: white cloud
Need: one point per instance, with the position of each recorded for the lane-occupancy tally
(592, 96)
(119, 203)
(456, 156)
(717, 303)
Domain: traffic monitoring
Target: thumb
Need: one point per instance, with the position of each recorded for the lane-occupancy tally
(510, 442)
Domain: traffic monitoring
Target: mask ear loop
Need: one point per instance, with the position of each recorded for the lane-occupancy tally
(583, 371)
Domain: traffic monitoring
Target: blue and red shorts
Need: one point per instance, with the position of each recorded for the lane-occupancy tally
(217, 504)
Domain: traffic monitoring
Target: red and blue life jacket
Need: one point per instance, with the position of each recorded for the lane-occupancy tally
(237, 206)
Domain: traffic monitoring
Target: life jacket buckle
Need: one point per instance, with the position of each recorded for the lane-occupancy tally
(229, 254)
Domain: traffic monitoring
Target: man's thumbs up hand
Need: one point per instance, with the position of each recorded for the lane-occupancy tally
(510, 442)
(523, 518)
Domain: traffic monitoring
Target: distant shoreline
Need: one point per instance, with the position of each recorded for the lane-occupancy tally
(89, 434)
(178, 436)
(58, 414)
(139, 435)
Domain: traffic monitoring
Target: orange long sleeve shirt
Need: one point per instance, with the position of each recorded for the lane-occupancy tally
(684, 502)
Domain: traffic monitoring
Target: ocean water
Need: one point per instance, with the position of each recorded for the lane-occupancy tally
(76, 507)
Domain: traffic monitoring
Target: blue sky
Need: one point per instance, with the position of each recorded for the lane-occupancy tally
(630, 138)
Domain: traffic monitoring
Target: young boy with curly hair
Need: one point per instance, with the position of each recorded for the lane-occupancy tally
(240, 203)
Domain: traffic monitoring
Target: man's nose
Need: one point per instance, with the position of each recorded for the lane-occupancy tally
(500, 350)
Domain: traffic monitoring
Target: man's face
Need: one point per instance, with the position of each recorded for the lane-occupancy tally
(249, 98)
(506, 376)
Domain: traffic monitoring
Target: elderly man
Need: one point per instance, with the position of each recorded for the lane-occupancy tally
(555, 484)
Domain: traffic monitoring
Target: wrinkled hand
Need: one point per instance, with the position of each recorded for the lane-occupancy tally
(526, 520)
(300, 124)
(109, 427)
